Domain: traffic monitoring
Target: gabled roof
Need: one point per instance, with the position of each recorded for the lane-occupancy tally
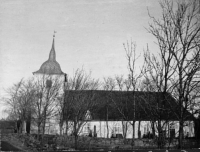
(119, 105)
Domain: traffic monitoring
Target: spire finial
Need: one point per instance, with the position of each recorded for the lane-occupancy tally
(54, 34)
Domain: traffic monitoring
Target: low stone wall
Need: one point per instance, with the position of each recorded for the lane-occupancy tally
(88, 142)
(115, 143)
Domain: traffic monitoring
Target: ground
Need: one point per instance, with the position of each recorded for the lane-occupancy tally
(5, 146)
(29, 143)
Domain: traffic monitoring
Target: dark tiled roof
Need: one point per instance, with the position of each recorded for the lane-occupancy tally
(119, 105)
(4, 124)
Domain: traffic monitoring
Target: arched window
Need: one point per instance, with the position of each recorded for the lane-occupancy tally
(88, 115)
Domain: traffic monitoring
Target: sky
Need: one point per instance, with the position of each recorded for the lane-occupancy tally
(89, 34)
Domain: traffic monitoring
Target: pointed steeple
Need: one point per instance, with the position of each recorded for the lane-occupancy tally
(52, 54)
(51, 66)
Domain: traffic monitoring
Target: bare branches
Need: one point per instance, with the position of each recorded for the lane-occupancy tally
(177, 34)
(130, 49)
(20, 99)
(79, 100)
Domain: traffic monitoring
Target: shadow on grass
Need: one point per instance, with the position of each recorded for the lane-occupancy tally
(5, 146)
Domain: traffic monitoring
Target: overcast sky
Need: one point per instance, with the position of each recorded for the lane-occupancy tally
(90, 34)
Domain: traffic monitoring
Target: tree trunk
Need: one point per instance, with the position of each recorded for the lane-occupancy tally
(28, 123)
(75, 135)
(180, 138)
(28, 127)
(139, 132)
(76, 141)
(43, 127)
(67, 127)
(124, 128)
(159, 135)
(107, 122)
(45, 112)
(133, 138)
(19, 126)
(107, 129)
(153, 129)
(61, 127)
(38, 131)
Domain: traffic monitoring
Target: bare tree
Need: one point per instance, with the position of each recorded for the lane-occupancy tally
(122, 86)
(119, 100)
(21, 97)
(177, 34)
(80, 101)
(157, 106)
(47, 91)
(158, 71)
(60, 114)
(14, 111)
(108, 85)
(134, 75)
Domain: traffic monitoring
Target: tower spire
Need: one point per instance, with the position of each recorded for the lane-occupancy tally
(52, 54)
(51, 66)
